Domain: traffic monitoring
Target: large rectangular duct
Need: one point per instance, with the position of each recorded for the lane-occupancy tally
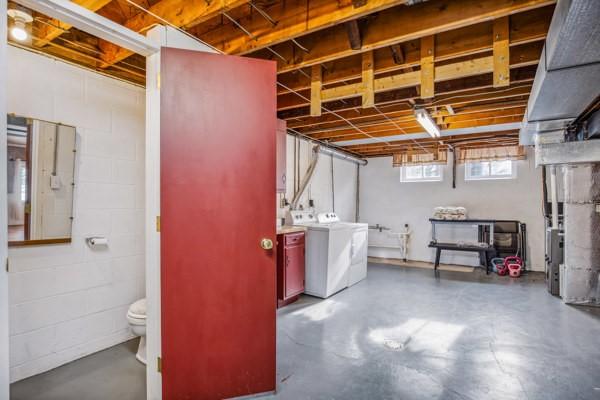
(581, 274)
(566, 81)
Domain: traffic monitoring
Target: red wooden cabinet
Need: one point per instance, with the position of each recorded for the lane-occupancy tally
(290, 267)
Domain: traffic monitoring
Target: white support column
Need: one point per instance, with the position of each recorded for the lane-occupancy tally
(162, 37)
(4, 367)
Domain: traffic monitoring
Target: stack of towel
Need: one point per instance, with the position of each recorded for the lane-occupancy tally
(451, 213)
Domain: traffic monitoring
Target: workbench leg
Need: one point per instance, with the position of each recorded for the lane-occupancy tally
(438, 251)
(487, 265)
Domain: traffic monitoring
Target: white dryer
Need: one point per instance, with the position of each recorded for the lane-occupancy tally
(336, 252)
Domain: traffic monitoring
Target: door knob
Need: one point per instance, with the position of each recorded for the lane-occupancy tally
(266, 244)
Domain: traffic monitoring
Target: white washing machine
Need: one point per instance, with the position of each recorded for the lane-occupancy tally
(336, 252)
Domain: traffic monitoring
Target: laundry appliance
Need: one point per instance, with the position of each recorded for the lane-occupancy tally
(336, 252)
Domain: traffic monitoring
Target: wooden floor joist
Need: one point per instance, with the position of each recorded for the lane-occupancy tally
(350, 69)
(399, 24)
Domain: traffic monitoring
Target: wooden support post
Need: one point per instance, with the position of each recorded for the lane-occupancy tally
(427, 69)
(501, 52)
(368, 80)
(315, 91)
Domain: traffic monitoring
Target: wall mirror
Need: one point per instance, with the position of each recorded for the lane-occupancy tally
(40, 167)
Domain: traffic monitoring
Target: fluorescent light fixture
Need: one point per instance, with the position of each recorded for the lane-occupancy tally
(427, 122)
(20, 18)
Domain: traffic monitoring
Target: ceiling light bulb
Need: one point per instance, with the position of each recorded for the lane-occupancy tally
(21, 17)
(18, 31)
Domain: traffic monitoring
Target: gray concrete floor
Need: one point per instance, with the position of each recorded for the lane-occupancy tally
(110, 374)
(400, 334)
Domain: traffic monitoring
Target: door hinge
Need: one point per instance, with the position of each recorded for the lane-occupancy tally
(159, 364)
(158, 223)
(158, 81)
(7, 265)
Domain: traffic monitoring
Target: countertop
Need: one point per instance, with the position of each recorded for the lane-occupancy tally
(282, 230)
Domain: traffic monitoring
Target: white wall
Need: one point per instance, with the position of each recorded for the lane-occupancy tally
(67, 301)
(319, 190)
(4, 366)
(384, 200)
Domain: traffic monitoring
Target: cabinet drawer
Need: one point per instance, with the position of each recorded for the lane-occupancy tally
(294, 238)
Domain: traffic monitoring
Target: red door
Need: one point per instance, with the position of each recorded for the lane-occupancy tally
(218, 124)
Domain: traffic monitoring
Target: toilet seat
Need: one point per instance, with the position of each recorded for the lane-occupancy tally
(137, 312)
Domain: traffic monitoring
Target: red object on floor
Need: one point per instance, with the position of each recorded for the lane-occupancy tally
(514, 266)
(218, 288)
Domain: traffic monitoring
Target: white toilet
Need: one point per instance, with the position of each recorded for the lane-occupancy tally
(136, 315)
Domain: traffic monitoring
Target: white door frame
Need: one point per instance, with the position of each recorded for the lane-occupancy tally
(4, 356)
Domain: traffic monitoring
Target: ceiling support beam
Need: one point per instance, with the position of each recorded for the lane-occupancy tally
(368, 78)
(315, 91)
(94, 24)
(447, 72)
(501, 52)
(427, 69)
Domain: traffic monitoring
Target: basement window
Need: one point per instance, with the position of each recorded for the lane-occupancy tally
(483, 170)
(421, 173)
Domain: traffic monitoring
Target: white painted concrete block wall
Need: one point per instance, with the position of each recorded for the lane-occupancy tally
(386, 201)
(67, 301)
(320, 189)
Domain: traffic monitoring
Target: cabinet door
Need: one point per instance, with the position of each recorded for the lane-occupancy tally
(294, 270)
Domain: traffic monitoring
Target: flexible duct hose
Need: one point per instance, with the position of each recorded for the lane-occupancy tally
(307, 177)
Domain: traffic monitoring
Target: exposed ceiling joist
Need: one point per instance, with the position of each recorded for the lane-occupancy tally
(294, 18)
(52, 29)
(529, 27)
(177, 12)
(92, 23)
(400, 24)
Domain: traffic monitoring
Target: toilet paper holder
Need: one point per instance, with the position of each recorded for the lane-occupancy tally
(96, 241)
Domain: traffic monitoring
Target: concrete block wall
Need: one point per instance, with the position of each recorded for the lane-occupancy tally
(67, 301)
(385, 200)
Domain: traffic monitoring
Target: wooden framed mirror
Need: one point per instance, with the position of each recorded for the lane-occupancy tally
(40, 181)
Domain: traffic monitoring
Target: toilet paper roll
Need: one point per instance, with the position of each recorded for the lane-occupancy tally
(97, 241)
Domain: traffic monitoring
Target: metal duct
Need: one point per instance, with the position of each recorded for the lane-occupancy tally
(566, 79)
(342, 156)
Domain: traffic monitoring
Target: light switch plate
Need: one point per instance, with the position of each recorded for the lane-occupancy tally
(54, 182)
